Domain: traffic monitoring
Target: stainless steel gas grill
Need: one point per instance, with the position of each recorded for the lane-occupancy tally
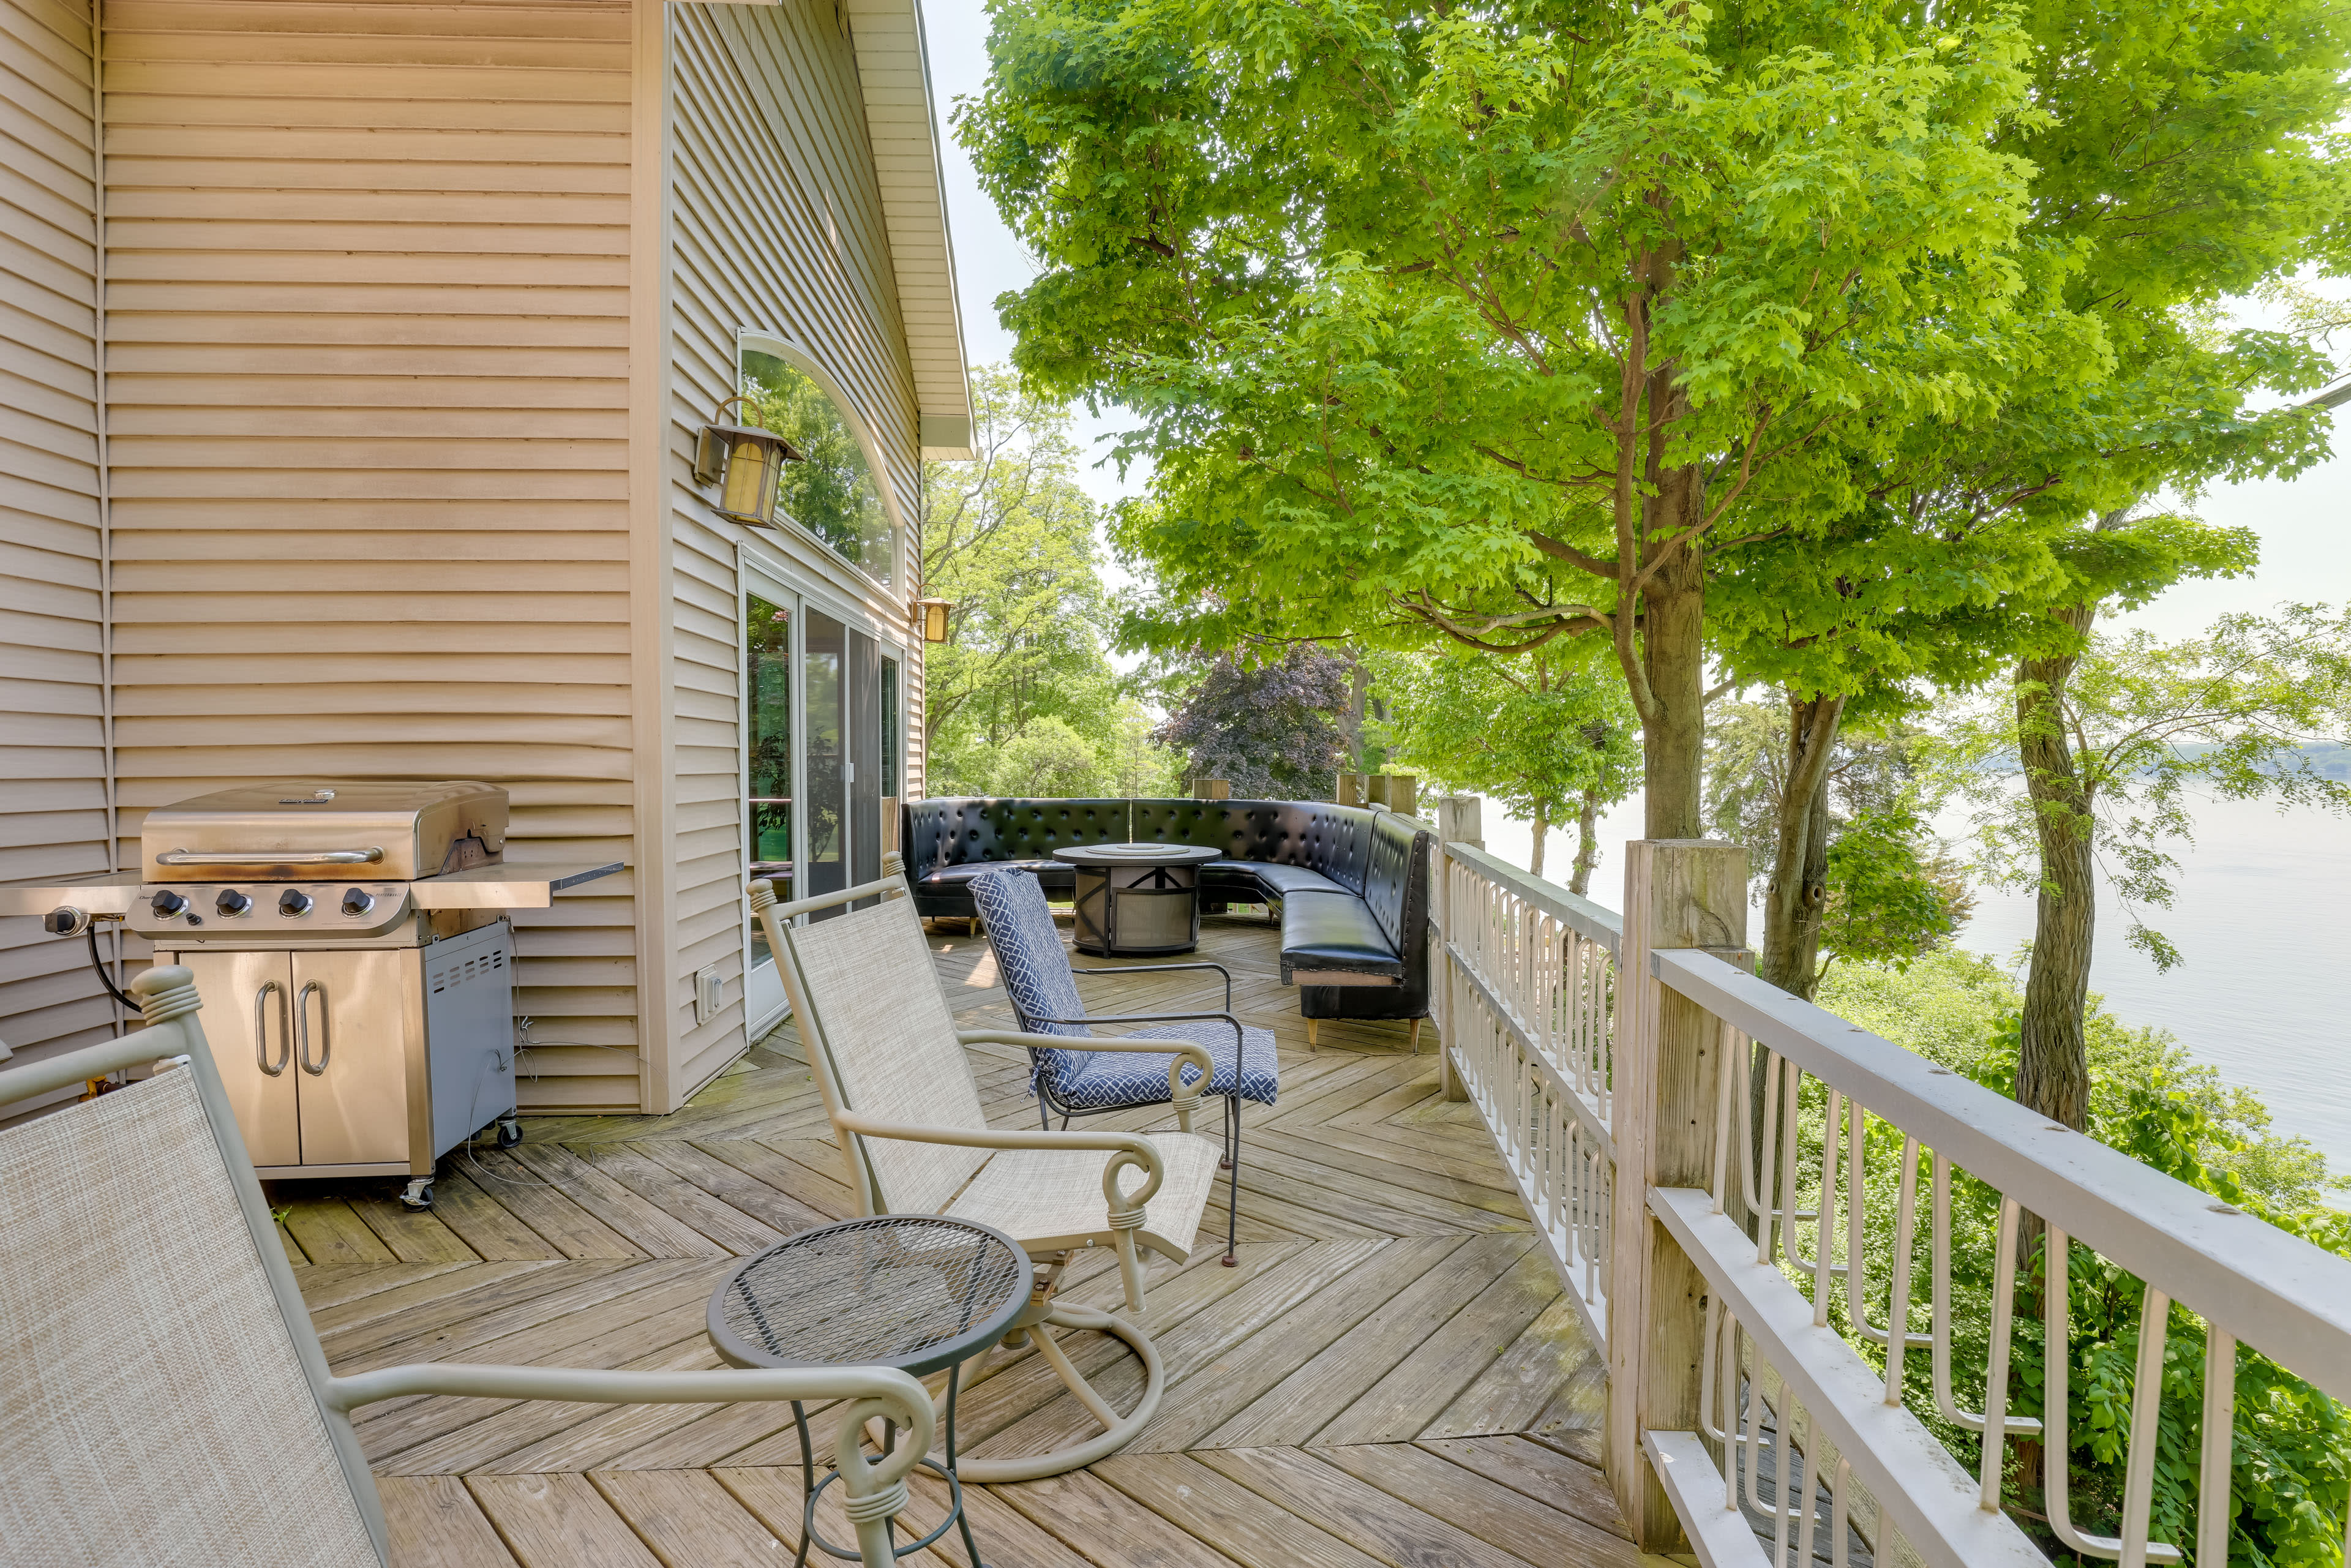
(349, 942)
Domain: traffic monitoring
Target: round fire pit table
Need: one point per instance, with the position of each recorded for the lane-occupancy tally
(1136, 901)
(910, 1290)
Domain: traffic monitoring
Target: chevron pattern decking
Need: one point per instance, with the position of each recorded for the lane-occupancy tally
(1391, 1377)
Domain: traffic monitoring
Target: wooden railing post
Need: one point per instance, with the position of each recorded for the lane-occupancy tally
(1459, 821)
(1678, 893)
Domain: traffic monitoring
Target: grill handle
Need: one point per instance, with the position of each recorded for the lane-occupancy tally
(302, 1027)
(261, 1029)
(269, 857)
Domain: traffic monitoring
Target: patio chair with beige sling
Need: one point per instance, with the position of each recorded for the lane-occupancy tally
(163, 1396)
(905, 1109)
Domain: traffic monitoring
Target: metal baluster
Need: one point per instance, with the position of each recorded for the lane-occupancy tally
(1839, 1523)
(1941, 1306)
(1765, 1167)
(2215, 1508)
(1822, 1268)
(1899, 1339)
(2146, 1408)
(1789, 1214)
(2003, 1293)
(1726, 1034)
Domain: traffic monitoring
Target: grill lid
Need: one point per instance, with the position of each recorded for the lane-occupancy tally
(323, 829)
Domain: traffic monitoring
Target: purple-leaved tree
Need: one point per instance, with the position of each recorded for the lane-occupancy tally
(1271, 730)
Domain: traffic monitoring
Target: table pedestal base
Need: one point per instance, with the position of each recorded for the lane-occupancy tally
(1135, 912)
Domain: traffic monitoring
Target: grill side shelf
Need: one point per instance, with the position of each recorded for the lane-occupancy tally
(503, 886)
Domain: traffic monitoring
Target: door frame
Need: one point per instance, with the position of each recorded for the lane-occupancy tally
(775, 578)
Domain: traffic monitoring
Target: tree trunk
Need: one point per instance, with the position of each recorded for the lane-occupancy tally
(1673, 658)
(1351, 722)
(1798, 891)
(1587, 842)
(1542, 826)
(2053, 1063)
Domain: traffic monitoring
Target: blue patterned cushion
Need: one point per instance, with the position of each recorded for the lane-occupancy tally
(1029, 958)
(1097, 1080)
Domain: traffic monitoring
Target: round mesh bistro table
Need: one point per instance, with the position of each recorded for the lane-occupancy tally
(1136, 901)
(909, 1291)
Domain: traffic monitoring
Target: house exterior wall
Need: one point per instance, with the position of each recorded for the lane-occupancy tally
(410, 314)
(776, 225)
(369, 407)
(54, 800)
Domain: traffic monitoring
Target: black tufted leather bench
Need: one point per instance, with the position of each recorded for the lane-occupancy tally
(1351, 883)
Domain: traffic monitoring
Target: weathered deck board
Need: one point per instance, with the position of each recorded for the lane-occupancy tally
(1391, 1377)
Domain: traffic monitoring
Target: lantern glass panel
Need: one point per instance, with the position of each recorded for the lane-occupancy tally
(750, 491)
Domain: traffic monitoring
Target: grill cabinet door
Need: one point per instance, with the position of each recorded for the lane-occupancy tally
(247, 1021)
(354, 1020)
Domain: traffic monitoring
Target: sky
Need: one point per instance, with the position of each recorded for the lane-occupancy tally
(2305, 543)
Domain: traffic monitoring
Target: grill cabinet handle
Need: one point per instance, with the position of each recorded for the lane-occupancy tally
(261, 1029)
(269, 857)
(302, 1027)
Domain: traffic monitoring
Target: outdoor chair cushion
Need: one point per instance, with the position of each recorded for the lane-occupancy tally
(1034, 968)
(1334, 931)
(1031, 962)
(1100, 1079)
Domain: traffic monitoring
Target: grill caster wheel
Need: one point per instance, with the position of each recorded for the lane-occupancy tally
(509, 1132)
(419, 1193)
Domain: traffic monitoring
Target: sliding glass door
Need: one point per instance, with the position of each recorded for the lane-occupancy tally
(771, 764)
(821, 735)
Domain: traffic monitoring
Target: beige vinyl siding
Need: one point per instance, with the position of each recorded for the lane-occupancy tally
(368, 410)
(53, 772)
(776, 225)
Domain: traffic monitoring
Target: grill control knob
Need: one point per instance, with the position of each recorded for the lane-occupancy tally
(231, 902)
(294, 901)
(358, 901)
(168, 904)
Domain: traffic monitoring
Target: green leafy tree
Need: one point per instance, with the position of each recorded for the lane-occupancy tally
(1511, 323)
(1885, 889)
(1023, 687)
(1544, 734)
(2091, 776)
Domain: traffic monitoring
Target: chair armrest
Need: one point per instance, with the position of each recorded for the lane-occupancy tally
(880, 1390)
(1126, 1148)
(1185, 1100)
(1165, 969)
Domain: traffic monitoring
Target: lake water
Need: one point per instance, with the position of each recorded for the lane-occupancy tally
(2262, 917)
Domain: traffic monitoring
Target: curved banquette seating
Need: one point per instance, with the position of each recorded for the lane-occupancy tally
(1351, 881)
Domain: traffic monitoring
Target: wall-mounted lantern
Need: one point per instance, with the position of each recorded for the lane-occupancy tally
(744, 462)
(930, 614)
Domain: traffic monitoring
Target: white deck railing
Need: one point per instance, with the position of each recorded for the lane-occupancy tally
(1530, 976)
(1747, 1366)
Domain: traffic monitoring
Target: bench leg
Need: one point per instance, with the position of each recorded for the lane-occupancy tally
(1312, 1024)
(1416, 1037)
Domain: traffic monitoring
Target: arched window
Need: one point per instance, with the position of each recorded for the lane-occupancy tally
(835, 495)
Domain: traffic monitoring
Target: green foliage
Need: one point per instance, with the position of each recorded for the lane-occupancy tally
(1894, 892)
(2291, 1445)
(1021, 699)
(2151, 724)
(1893, 897)
(1536, 732)
(1422, 306)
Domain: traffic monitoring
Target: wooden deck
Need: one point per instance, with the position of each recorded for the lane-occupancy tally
(1391, 1377)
